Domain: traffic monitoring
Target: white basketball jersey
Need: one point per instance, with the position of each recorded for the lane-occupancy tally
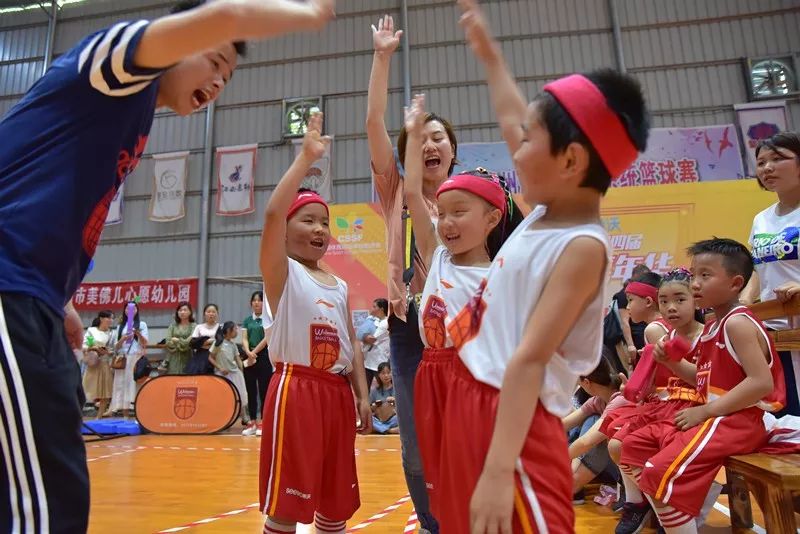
(311, 323)
(489, 329)
(447, 290)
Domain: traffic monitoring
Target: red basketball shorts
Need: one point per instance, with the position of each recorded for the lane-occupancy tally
(308, 459)
(678, 467)
(542, 478)
(619, 423)
(431, 384)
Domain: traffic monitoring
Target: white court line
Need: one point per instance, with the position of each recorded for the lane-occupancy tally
(725, 510)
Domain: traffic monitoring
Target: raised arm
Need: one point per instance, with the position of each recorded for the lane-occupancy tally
(424, 231)
(174, 37)
(273, 262)
(509, 104)
(385, 41)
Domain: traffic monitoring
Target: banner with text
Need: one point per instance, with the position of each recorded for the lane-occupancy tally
(153, 294)
(236, 167)
(169, 187)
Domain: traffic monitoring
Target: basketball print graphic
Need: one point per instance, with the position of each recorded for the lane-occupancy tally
(464, 327)
(433, 322)
(324, 346)
(185, 402)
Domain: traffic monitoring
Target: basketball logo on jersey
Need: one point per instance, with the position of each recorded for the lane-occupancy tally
(768, 248)
(185, 402)
(433, 322)
(324, 346)
(464, 327)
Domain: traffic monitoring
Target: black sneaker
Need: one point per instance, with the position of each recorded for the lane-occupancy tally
(634, 518)
(579, 497)
(618, 506)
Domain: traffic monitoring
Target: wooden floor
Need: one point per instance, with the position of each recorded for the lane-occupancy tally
(207, 484)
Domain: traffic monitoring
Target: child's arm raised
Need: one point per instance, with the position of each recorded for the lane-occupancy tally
(509, 104)
(273, 262)
(358, 380)
(385, 41)
(576, 279)
(170, 39)
(744, 338)
(424, 231)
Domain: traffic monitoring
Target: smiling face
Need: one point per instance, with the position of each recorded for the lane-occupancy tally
(197, 80)
(308, 233)
(437, 152)
(778, 170)
(465, 220)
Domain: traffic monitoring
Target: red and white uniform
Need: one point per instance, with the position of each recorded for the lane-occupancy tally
(308, 441)
(487, 332)
(447, 290)
(672, 395)
(678, 467)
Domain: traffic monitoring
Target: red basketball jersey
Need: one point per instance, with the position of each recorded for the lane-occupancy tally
(719, 369)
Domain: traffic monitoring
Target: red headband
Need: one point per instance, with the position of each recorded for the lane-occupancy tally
(306, 197)
(487, 189)
(642, 290)
(589, 109)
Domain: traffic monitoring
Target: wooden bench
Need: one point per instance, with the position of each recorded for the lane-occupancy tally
(774, 480)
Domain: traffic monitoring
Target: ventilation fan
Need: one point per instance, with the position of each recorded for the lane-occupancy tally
(296, 113)
(772, 77)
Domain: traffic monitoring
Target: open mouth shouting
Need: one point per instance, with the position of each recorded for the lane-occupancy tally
(432, 162)
(200, 97)
(318, 243)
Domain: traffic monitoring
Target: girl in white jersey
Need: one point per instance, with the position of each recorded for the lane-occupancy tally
(308, 469)
(476, 214)
(535, 324)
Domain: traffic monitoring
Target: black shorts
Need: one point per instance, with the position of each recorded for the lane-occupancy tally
(44, 482)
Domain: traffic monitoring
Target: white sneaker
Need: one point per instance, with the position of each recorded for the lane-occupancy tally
(250, 430)
(258, 429)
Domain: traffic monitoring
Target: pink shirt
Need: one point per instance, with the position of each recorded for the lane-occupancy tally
(598, 406)
(390, 193)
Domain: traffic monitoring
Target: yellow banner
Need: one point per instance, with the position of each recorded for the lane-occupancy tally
(655, 224)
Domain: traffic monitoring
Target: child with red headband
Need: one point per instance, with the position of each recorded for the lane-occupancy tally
(535, 324)
(476, 214)
(308, 468)
(642, 295)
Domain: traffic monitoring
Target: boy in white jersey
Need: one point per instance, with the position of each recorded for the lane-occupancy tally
(535, 324)
(475, 216)
(308, 469)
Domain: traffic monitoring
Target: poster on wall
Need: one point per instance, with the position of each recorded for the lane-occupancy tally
(757, 121)
(114, 215)
(169, 187)
(236, 167)
(319, 177)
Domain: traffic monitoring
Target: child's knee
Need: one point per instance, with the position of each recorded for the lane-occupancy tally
(615, 450)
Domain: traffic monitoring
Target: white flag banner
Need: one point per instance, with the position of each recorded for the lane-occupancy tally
(320, 176)
(114, 215)
(758, 121)
(169, 187)
(236, 167)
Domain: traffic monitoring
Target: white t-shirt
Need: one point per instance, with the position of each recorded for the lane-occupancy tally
(447, 290)
(311, 323)
(774, 240)
(378, 352)
(494, 319)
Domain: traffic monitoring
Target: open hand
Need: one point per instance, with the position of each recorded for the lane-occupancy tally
(476, 30)
(384, 38)
(492, 504)
(415, 116)
(314, 143)
(690, 417)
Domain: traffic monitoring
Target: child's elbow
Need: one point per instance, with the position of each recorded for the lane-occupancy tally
(766, 386)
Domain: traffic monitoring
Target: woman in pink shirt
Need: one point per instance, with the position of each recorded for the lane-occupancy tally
(405, 281)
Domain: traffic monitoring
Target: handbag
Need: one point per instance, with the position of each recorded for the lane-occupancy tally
(119, 361)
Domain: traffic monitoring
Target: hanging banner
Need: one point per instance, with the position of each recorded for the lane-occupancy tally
(236, 167)
(319, 177)
(169, 187)
(758, 121)
(114, 215)
(674, 155)
(154, 294)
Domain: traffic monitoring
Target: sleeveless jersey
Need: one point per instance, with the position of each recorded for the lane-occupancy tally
(662, 373)
(489, 329)
(719, 369)
(671, 387)
(310, 326)
(447, 290)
